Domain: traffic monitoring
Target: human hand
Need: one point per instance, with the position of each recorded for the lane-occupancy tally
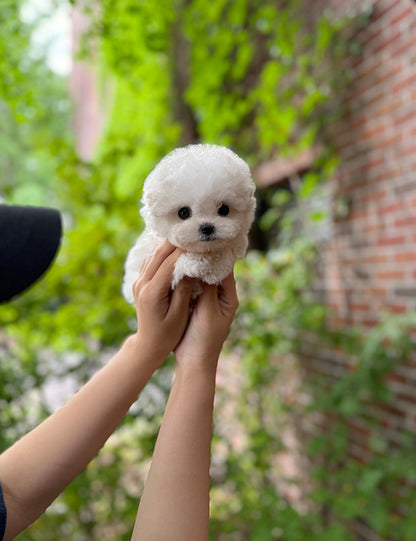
(208, 326)
(162, 314)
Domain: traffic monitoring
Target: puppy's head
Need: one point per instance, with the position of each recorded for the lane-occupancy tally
(200, 197)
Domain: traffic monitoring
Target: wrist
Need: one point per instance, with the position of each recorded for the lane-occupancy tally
(197, 368)
(148, 357)
(198, 385)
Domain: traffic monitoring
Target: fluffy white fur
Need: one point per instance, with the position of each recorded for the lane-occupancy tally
(217, 188)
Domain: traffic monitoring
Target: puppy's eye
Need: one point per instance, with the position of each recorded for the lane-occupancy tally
(223, 210)
(184, 213)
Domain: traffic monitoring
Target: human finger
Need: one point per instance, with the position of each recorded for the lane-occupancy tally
(145, 265)
(209, 295)
(153, 263)
(162, 278)
(227, 294)
(181, 297)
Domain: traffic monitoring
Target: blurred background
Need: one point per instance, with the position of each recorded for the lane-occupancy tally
(315, 418)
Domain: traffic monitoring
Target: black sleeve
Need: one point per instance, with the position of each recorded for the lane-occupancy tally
(3, 514)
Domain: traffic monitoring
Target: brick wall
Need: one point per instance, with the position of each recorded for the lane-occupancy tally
(370, 263)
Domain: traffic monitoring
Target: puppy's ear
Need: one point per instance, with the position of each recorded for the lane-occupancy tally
(149, 199)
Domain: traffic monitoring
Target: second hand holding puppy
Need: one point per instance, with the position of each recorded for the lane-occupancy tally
(175, 502)
(211, 318)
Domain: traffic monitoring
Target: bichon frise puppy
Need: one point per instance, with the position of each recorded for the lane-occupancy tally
(200, 198)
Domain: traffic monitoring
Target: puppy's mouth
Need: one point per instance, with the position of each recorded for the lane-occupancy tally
(207, 244)
(209, 238)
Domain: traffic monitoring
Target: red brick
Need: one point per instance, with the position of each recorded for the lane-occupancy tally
(359, 215)
(408, 151)
(381, 13)
(404, 83)
(360, 307)
(406, 12)
(375, 162)
(402, 50)
(370, 97)
(407, 117)
(397, 308)
(390, 275)
(371, 36)
(387, 175)
(394, 103)
(374, 259)
(372, 163)
(390, 142)
(340, 321)
(358, 123)
(369, 323)
(371, 132)
(406, 222)
(391, 241)
(387, 42)
(389, 209)
(373, 228)
(405, 257)
(389, 72)
(377, 291)
(373, 196)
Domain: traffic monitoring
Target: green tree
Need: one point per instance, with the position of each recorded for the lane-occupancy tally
(34, 131)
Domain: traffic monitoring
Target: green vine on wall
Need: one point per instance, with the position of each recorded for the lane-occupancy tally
(377, 490)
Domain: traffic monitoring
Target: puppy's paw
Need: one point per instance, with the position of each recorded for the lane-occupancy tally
(179, 271)
(196, 290)
(189, 265)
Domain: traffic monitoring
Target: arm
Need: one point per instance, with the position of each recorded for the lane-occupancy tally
(175, 501)
(37, 468)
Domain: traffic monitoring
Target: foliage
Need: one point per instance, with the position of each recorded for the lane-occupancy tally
(265, 77)
(280, 323)
(380, 490)
(254, 76)
(34, 108)
(138, 48)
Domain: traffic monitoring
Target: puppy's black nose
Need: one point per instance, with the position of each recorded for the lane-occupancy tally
(206, 230)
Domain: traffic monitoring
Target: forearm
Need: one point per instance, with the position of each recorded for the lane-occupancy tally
(175, 501)
(37, 468)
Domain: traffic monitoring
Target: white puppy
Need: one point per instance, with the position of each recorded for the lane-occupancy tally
(200, 198)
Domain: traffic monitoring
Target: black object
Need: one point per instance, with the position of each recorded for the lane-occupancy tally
(29, 240)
